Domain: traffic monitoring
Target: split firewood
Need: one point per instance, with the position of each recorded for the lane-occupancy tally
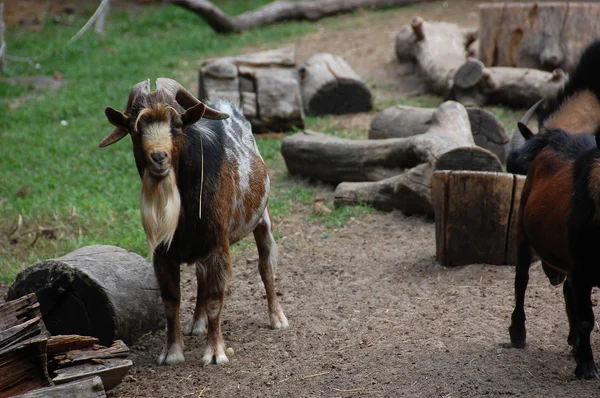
(437, 48)
(111, 371)
(90, 387)
(280, 11)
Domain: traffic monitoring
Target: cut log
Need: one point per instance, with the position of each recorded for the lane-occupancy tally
(544, 35)
(330, 86)
(265, 85)
(90, 387)
(405, 121)
(467, 233)
(23, 338)
(476, 85)
(408, 192)
(437, 48)
(58, 345)
(511, 247)
(101, 291)
(117, 350)
(111, 371)
(280, 11)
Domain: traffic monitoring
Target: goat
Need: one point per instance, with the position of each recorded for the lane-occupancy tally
(204, 187)
(575, 109)
(559, 204)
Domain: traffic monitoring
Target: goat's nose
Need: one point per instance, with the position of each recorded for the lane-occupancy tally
(159, 157)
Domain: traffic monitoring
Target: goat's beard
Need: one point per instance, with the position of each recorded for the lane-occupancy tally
(160, 205)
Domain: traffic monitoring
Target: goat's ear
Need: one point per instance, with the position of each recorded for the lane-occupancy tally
(121, 123)
(199, 111)
(525, 131)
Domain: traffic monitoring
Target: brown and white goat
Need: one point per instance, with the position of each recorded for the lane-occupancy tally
(204, 187)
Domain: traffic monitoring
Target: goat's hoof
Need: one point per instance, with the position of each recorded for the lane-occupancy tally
(586, 370)
(210, 357)
(198, 328)
(171, 355)
(278, 320)
(518, 336)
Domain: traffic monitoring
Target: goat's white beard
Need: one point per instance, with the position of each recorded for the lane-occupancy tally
(160, 205)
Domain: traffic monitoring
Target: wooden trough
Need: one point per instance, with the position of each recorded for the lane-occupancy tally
(475, 216)
(101, 291)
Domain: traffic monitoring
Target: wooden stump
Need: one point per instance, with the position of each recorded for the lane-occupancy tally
(265, 85)
(101, 291)
(475, 216)
(331, 87)
(437, 48)
(405, 121)
(476, 85)
(540, 35)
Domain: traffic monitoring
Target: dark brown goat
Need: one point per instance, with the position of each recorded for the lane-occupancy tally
(560, 203)
(204, 187)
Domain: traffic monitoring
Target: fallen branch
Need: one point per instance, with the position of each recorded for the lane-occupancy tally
(280, 11)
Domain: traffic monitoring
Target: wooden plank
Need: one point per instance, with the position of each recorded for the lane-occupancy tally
(117, 350)
(111, 371)
(68, 342)
(13, 312)
(91, 387)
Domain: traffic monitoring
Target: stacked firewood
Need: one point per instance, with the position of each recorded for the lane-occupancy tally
(63, 365)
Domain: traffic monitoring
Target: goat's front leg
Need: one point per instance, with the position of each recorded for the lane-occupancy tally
(218, 272)
(199, 323)
(267, 263)
(167, 275)
(517, 329)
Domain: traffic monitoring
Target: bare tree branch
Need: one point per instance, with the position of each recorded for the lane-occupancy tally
(280, 11)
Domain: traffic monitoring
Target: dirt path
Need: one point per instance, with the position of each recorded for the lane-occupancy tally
(372, 314)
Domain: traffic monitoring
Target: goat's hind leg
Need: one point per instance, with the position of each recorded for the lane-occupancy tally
(267, 264)
(573, 339)
(167, 275)
(199, 324)
(518, 333)
(586, 368)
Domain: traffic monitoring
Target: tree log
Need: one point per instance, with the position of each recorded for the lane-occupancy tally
(437, 48)
(280, 11)
(476, 85)
(100, 291)
(330, 86)
(481, 233)
(405, 121)
(540, 35)
(91, 387)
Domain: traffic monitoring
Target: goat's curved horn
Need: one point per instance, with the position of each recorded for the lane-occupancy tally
(530, 112)
(186, 99)
(518, 137)
(138, 90)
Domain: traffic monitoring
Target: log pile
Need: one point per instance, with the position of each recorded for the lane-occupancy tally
(30, 359)
(118, 285)
(544, 35)
(390, 173)
(485, 233)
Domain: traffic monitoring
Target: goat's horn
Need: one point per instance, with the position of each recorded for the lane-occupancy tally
(140, 89)
(530, 112)
(186, 99)
(517, 141)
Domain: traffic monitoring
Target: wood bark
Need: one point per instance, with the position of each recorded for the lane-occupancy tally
(23, 338)
(405, 121)
(280, 11)
(476, 85)
(265, 85)
(468, 234)
(437, 48)
(101, 291)
(544, 35)
(330, 86)
(91, 387)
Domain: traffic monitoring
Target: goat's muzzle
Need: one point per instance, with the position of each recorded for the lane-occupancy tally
(159, 164)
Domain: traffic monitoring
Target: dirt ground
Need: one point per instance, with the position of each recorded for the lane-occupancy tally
(371, 312)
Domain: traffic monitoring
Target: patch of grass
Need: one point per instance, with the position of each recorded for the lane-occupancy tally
(339, 216)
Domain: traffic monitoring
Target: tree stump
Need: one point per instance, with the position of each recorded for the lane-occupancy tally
(405, 121)
(475, 216)
(476, 85)
(331, 87)
(265, 85)
(101, 291)
(437, 48)
(541, 35)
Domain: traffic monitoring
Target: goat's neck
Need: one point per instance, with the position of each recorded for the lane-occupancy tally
(160, 205)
